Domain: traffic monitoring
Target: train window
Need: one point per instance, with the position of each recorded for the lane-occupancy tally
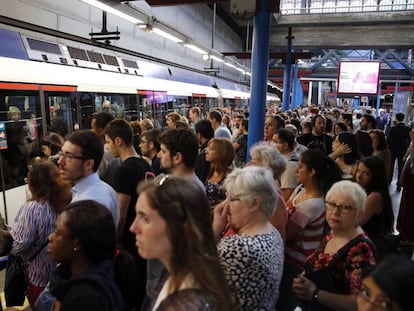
(91, 103)
(114, 104)
(20, 113)
(153, 105)
(132, 111)
(60, 112)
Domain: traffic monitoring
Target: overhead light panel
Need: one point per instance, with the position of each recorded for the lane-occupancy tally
(166, 35)
(109, 9)
(230, 65)
(217, 58)
(195, 49)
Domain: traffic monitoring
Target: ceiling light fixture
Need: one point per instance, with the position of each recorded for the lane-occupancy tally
(195, 48)
(109, 9)
(166, 35)
(217, 58)
(230, 65)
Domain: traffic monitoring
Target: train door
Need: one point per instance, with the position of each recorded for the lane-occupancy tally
(20, 130)
(60, 109)
(154, 105)
(200, 100)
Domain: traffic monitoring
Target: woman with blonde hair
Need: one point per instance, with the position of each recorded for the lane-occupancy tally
(220, 154)
(342, 255)
(35, 220)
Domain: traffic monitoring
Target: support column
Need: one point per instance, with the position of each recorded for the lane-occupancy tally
(287, 76)
(378, 100)
(260, 68)
(319, 93)
(310, 93)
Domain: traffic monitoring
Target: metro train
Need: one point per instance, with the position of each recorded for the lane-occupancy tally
(48, 86)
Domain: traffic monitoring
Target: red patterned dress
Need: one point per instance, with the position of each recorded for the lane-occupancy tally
(347, 273)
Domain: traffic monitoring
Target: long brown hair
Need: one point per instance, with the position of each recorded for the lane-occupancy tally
(225, 156)
(45, 184)
(184, 207)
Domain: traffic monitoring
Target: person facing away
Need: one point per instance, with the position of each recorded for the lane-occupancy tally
(133, 170)
(35, 220)
(79, 160)
(109, 164)
(220, 130)
(398, 141)
(173, 225)
(89, 270)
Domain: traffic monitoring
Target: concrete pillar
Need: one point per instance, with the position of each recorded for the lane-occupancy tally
(260, 68)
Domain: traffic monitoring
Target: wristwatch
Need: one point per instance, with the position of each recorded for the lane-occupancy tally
(315, 295)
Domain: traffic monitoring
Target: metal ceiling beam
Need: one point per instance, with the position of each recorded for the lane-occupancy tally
(272, 55)
(178, 2)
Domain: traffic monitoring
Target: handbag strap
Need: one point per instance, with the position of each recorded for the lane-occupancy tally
(345, 250)
(37, 251)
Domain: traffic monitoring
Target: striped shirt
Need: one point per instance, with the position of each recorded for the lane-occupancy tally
(309, 215)
(34, 222)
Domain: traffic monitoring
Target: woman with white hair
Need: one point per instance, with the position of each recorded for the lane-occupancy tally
(252, 258)
(267, 155)
(335, 267)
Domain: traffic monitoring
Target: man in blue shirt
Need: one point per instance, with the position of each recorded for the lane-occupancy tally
(79, 160)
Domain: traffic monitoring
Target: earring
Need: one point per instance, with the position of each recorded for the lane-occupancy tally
(75, 249)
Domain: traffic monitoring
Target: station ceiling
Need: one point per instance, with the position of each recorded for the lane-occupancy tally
(320, 40)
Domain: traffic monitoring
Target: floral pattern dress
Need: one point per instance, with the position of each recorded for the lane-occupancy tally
(348, 272)
(215, 192)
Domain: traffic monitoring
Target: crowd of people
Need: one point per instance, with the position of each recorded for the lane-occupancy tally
(185, 217)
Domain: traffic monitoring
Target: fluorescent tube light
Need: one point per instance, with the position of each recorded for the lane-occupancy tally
(196, 49)
(166, 35)
(217, 58)
(230, 65)
(109, 9)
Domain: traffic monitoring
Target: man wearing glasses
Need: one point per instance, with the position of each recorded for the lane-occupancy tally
(79, 160)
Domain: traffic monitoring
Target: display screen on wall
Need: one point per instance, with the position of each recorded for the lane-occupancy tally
(358, 77)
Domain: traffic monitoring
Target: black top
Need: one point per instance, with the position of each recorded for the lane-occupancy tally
(322, 142)
(127, 178)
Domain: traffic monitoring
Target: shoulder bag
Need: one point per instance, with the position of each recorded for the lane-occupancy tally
(16, 282)
(323, 278)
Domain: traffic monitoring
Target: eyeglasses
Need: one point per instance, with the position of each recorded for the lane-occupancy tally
(342, 208)
(385, 304)
(232, 199)
(68, 157)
